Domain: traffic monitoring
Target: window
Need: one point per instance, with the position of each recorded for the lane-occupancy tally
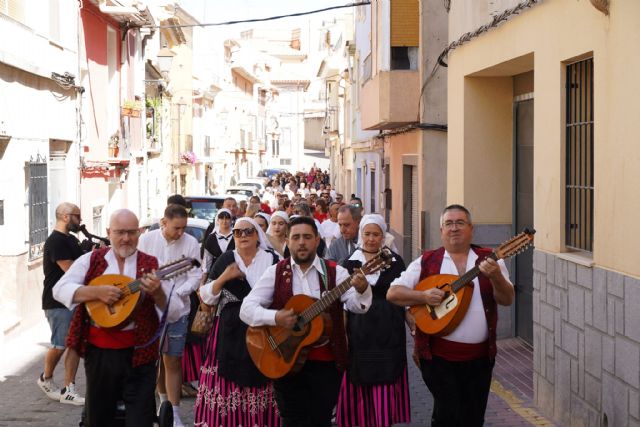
(373, 191)
(579, 156)
(38, 206)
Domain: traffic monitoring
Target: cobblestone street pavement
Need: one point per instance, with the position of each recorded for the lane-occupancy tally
(23, 404)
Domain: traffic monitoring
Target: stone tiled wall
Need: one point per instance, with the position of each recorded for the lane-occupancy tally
(586, 343)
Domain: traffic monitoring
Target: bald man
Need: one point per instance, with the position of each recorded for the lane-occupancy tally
(61, 249)
(119, 363)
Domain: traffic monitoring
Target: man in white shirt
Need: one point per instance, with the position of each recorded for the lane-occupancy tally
(307, 397)
(119, 363)
(457, 367)
(168, 244)
(330, 229)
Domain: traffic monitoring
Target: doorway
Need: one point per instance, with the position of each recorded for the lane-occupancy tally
(523, 210)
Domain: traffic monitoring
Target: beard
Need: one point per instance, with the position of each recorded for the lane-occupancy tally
(73, 227)
(303, 259)
(124, 251)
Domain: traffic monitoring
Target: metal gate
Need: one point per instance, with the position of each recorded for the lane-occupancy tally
(38, 205)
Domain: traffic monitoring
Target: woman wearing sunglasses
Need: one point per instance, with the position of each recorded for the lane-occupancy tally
(232, 391)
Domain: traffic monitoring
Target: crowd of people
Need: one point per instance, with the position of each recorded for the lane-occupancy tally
(301, 237)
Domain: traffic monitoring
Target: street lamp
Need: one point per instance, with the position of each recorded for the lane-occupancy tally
(165, 57)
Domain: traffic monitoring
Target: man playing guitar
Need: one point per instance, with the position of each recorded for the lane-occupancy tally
(307, 398)
(119, 362)
(457, 367)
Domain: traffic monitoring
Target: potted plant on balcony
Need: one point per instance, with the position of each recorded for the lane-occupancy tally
(131, 108)
(188, 157)
(114, 145)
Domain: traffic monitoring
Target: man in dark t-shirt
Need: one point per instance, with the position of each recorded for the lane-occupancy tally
(60, 250)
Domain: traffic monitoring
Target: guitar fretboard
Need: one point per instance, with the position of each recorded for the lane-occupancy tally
(469, 276)
(323, 303)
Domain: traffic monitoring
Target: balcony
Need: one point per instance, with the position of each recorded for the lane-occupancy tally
(390, 100)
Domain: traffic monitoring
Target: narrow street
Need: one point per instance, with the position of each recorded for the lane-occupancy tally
(23, 404)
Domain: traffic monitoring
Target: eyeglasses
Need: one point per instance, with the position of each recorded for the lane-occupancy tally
(75, 214)
(239, 232)
(121, 233)
(450, 225)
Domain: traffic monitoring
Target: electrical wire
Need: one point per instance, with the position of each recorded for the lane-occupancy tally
(271, 18)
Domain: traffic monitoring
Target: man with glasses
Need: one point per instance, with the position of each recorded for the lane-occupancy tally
(349, 222)
(457, 368)
(120, 364)
(168, 244)
(61, 249)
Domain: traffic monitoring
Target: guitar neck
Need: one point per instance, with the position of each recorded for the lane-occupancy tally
(469, 276)
(329, 297)
(161, 273)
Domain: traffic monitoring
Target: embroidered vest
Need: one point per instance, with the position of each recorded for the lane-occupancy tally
(145, 316)
(283, 292)
(431, 263)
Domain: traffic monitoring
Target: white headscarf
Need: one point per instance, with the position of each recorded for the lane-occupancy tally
(262, 238)
(266, 216)
(371, 219)
(280, 214)
(223, 210)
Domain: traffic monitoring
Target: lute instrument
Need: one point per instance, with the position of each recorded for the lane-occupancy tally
(277, 351)
(444, 318)
(113, 315)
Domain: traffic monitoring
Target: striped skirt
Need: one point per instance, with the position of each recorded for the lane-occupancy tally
(374, 405)
(192, 360)
(222, 403)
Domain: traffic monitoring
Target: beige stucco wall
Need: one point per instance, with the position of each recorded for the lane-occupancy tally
(553, 33)
(394, 148)
(390, 98)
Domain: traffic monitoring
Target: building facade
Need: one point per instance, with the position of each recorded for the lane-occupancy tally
(541, 132)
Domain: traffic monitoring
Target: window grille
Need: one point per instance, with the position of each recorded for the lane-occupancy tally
(38, 206)
(579, 156)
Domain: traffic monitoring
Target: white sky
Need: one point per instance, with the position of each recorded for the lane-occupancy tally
(207, 11)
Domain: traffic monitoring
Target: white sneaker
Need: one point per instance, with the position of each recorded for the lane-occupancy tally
(71, 397)
(49, 387)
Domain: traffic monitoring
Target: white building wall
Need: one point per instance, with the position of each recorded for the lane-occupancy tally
(34, 110)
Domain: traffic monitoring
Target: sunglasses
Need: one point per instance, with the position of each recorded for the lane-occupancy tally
(239, 232)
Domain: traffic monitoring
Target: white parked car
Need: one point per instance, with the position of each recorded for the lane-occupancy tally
(257, 184)
(195, 226)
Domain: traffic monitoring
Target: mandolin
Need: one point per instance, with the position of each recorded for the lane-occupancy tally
(113, 315)
(277, 351)
(443, 319)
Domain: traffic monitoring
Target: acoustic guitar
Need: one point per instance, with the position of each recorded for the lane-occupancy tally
(443, 319)
(277, 351)
(113, 315)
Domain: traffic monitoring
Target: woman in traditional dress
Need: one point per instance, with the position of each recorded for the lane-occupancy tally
(263, 220)
(277, 231)
(215, 244)
(374, 391)
(232, 392)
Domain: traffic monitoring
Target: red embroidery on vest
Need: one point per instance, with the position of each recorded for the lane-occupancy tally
(430, 265)
(283, 291)
(145, 316)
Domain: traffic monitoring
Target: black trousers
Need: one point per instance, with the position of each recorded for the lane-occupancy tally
(307, 398)
(460, 390)
(110, 378)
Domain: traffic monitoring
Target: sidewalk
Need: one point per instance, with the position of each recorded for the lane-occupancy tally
(24, 404)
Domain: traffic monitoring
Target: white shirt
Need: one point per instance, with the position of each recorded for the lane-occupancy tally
(254, 312)
(154, 243)
(252, 272)
(358, 255)
(73, 279)
(330, 230)
(473, 328)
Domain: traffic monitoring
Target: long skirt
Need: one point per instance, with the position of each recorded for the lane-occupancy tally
(378, 405)
(222, 403)
(192, 360)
